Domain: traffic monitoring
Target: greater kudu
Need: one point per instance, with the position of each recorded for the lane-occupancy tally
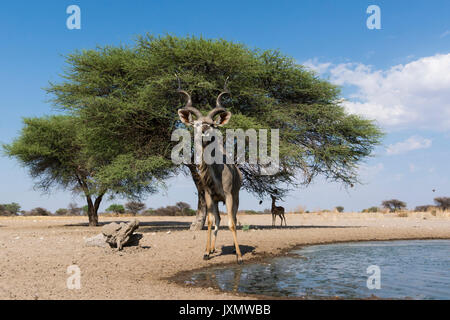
(221, 181)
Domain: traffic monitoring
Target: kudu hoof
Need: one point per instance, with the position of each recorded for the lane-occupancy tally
(206, 257)
(240, 261)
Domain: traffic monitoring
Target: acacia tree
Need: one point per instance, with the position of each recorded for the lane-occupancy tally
(135, 207)
(393, 205)
(443, 202)
(56, 156)
(127, 99)
(116, 208)
(49, 147)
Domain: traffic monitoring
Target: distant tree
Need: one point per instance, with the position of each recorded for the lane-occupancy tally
(393, 205)
(371, 209)
(74, 210)
(183, 207)
(167, 211)
(39, 212)
(148, 212)
(116, 208)
(135, 207)
(180, 209)
(3, 211)
(62, 212)
(12, 208)
(423, 208)
(340, 209)
(443, 202)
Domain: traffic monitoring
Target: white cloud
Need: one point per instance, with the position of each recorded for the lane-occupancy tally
(414, 95)
(368, 173)
(410, 144)
(446, 33)
(316, 66)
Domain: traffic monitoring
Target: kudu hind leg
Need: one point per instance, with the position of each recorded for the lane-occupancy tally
(208, 238)
(232, 207)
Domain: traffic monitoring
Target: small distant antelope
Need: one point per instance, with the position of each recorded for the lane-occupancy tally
(277, 211)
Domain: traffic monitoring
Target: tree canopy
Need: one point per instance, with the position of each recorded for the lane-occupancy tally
(443, 202)
(393, 205)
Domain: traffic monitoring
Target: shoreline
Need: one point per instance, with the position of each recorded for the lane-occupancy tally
(36, 252)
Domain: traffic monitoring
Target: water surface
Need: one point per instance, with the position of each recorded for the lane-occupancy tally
(416, 269)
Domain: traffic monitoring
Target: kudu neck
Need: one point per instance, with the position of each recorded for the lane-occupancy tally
(219, 149)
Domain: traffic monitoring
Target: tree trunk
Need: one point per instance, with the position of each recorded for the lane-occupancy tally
(93, 210)
(92, 206)
(200, 217)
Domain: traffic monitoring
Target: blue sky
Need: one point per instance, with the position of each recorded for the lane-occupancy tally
(398, 75)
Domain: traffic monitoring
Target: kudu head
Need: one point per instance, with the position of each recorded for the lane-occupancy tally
(191, 116)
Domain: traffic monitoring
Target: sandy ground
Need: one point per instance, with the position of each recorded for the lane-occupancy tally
(36, 251)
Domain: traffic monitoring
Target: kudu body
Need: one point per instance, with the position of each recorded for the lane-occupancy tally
(277, 211)
(221, 182)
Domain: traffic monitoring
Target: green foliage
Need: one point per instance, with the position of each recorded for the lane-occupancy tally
(190, 212)
(116, 208)
(127, 137)
(9, 209)
(50, 149)
(340, 209)
(4, 211)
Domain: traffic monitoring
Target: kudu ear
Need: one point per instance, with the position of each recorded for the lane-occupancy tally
(223, 118)
(185, 116)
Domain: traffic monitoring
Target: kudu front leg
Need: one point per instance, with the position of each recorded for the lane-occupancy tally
(211, 208)
(232, 207)
(208, 238)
